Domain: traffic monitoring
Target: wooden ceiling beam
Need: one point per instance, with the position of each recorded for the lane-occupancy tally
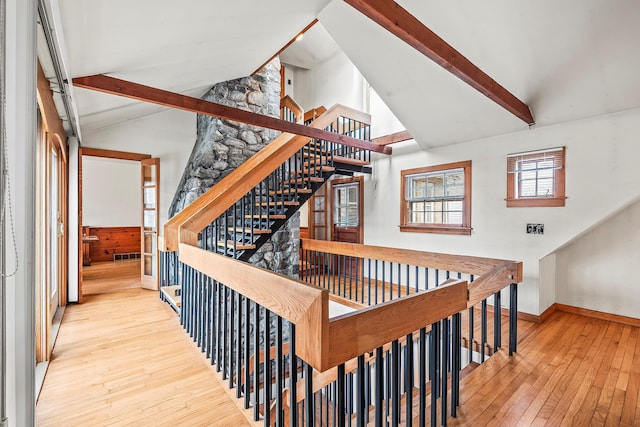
(114, 86)
(397, 20)
(392, 138)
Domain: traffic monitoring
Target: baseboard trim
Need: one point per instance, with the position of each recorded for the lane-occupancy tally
(629, 321)
(521, 315)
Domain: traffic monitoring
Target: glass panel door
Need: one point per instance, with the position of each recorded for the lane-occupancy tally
(54, 221)
(149, 233)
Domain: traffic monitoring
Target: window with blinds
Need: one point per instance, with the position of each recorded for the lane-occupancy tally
(437, 199)
(536, 178)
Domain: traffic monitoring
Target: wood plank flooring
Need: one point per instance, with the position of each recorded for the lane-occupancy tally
(571, 370)
(121, 358)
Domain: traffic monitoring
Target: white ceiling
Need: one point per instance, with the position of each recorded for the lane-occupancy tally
(567, 60)
(315, 47)
(183, 46)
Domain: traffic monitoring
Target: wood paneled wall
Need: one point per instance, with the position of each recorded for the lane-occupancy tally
(113, 240)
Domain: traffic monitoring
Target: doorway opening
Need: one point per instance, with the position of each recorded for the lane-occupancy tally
(118, 199)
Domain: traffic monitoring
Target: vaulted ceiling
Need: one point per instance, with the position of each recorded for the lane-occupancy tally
(567, 60)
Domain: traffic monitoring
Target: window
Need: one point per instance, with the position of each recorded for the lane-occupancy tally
(346, 205)
(437, 199)
(536, 178)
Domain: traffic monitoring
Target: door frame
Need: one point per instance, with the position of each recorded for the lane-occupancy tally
(51, 136)
(96, 152)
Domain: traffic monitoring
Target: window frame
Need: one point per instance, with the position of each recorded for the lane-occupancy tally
(559, 195)
(463, 229)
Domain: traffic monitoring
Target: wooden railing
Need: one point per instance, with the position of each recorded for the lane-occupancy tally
(185, 226)
(234, 311)
(290, 110)
(374, 274)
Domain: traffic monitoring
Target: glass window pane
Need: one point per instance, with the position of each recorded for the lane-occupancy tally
(528, 174)
(527, 188)
(149, 197)
(455, 184)
(149, 220)
(318, 203)
(545, 187)
(435, 186)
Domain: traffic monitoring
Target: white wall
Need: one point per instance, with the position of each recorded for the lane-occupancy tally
(169, 135)
(597, 270)
(334, 81)
(21, 137)
(600, 152)
(111, 192)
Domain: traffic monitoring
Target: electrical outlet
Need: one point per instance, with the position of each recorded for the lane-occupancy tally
(535, 228)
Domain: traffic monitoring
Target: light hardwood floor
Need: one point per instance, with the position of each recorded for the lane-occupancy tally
(571, 370)
(121, 358)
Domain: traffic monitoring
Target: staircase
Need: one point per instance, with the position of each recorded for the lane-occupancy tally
(246, 225)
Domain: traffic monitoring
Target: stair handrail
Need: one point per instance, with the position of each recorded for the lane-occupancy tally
(492, 274)
(295, 109)
(185, 226)
(321, 341)
(314, 113)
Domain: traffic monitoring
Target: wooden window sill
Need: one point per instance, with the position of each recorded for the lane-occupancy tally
(548, 202)
(414, 228)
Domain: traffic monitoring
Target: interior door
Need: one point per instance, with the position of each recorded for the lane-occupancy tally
(347, 218)
(149, 262)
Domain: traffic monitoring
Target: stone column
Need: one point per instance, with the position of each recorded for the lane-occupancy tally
(223, 145)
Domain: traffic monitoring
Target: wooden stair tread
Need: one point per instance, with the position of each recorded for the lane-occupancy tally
(274, 216)
(239, 246)
(323, 168)
(345, 160)
(301, 180)
(248, 230)
(283, 203)
(291, 191)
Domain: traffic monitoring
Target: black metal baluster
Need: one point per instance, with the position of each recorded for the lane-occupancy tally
(247, 351)
(256, 362)
(341, 395)
(471, 326)
(369, 282)
(422, 377)
(232, 316)
(293, 376)
(445, 358)
(360, 393)
(395, 383)
(376, 282)
(513, 318)
(308, 401)
(408, 379)
(279, 373)
(483, 329)
(238, 370)
(433, 370)
(266, 369)
(497, 321)
(379, 386)
(225, 331)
